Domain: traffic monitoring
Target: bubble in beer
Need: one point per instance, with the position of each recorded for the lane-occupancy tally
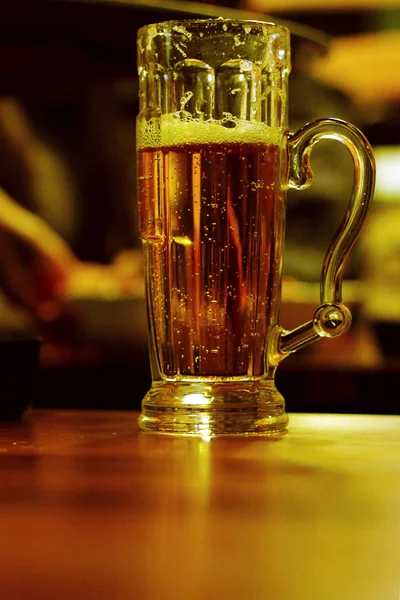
(204, 288)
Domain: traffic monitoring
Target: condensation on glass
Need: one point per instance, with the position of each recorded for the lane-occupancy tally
(215, 159)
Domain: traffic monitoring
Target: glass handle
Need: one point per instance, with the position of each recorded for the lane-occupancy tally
(332, 318)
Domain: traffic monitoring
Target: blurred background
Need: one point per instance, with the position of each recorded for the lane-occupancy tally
(68, 103)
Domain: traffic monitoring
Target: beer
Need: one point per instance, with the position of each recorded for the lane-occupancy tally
(211, 220)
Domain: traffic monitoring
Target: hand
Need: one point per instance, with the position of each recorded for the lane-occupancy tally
(40, 272)
(35, 263)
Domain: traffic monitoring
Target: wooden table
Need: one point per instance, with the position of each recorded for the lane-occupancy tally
(90, 508)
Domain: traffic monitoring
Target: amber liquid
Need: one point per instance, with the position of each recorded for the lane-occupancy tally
(211, 221)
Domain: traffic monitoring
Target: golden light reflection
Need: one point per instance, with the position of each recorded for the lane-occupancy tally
(196, 399)
(387, 173)
(204, 428)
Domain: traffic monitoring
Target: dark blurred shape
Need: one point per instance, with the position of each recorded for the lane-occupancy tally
(337, 23)
(388, 336)
(19, 362)
(68, 135)
(49, 42)
(386, 131)
(343, 22)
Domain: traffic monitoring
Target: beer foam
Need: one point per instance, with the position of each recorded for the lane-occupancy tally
(177, 130)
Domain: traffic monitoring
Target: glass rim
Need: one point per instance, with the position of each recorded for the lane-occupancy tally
(222, 20)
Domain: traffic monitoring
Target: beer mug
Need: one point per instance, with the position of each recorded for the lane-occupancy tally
(215, 159)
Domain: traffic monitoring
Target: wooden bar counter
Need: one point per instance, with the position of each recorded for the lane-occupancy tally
(91, 508)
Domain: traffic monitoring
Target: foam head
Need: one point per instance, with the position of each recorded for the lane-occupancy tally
(180, 130)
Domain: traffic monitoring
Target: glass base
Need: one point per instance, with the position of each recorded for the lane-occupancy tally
(214, 408)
